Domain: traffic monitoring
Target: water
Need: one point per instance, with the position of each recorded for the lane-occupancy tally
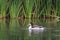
(15, 29)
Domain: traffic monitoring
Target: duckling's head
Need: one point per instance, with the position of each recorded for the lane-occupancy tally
(30, 24)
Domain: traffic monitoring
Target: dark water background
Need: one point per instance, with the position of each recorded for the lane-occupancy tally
(16, 29)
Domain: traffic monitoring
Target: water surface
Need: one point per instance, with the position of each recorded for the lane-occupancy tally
(15, 29)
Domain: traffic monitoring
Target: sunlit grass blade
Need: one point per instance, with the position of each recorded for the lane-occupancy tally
(15, 9)
(3, 8)
(28, 5)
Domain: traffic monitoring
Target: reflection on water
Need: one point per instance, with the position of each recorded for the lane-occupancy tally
(18, 29)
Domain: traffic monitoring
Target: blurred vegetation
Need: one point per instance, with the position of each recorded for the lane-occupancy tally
(29, 8)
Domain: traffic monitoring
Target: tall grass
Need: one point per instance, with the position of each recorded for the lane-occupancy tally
(58, 7)
(43, 8)
(28, 5)
(3, 8)
(35, 7)
(15, 8)
(48, 8)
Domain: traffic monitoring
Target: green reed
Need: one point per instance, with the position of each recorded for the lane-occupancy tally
(28, 5)
(15, 8)
(42, 7)
(58, 7)
(3, 8)
(35, 7)
(48, 7)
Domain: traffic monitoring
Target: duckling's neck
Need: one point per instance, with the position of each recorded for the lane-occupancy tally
(30, 27)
